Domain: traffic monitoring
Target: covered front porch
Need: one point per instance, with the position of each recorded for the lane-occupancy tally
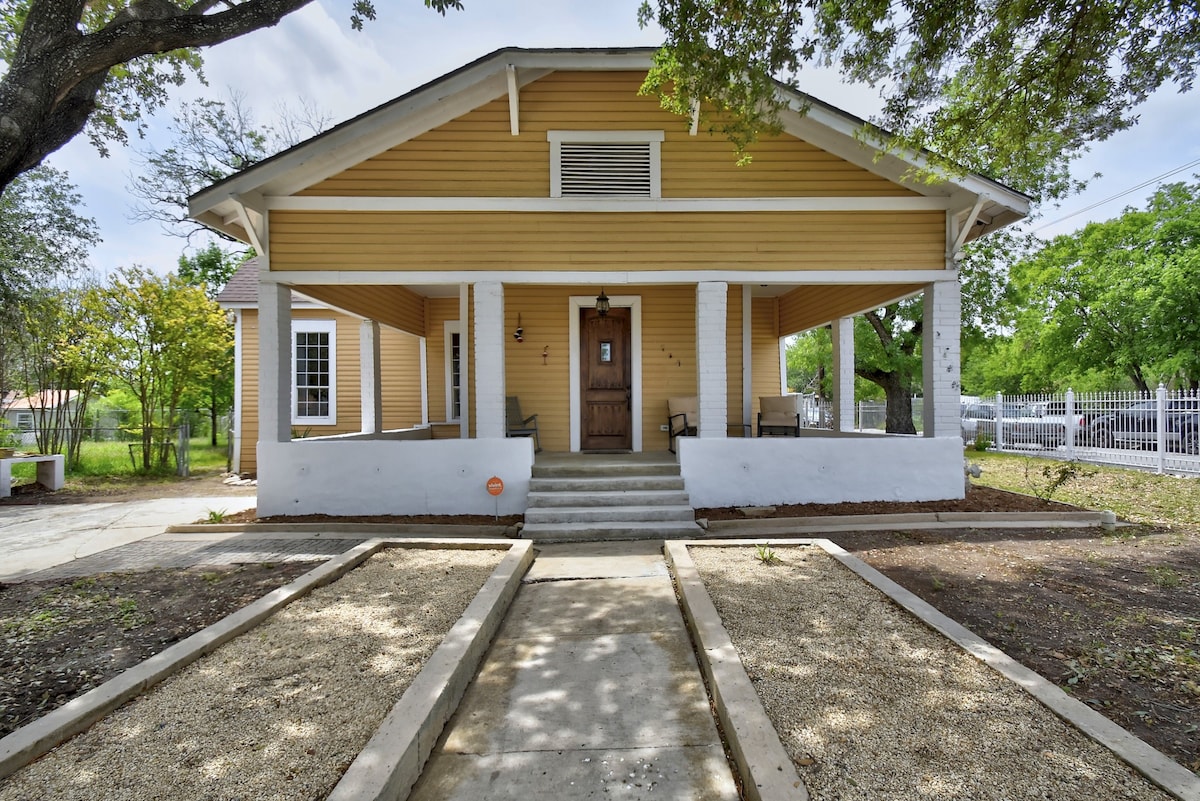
(485, 341)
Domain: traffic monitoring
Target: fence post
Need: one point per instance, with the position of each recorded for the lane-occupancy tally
(999, 421)
(1069, 434)
(1160, 440)
(181, 450)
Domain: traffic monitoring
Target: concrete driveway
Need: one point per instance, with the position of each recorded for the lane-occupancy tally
(33, 538)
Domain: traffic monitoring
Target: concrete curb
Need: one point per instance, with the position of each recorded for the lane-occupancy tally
(42, 735)
(391, 762)
(767, 772)
(29, 742)
(368, 529)
(923, 520)
(1161, 770)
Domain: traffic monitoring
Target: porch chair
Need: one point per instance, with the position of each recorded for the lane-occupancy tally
(519, 425)
(683, 419)
(779, 414)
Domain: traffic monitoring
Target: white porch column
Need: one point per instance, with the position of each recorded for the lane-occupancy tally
(370, 391)
(940, 357)
(274, 362)
(842, 334)
(489, 360)
(712, 300)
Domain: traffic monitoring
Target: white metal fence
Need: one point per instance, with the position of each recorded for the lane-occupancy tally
(1157, 431)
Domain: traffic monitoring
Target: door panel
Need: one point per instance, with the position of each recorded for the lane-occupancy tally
(605, 380)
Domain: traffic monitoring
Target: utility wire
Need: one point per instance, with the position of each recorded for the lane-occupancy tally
(1097, 204)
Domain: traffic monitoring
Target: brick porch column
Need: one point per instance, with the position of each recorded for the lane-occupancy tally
(842, 334)
(489, 360)
(712, 300)
(274, 362)
(940, 349)
(370, 388)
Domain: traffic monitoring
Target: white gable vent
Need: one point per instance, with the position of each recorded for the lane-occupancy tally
(601, 164)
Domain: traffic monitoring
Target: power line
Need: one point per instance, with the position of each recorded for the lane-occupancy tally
(1142, 185)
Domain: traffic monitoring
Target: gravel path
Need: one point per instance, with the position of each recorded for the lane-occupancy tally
(871, 704)
(280, 712)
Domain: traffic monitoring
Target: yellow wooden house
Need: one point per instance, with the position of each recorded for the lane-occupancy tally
(485, 215)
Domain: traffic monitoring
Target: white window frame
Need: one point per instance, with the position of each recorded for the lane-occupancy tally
(24, 421)
(652, 138)
(450, 328)
(316, 327)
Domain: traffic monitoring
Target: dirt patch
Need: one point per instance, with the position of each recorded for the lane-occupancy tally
(979, 499)
(62, 637)
(126, 488)
(251, 516)
(1113, 619)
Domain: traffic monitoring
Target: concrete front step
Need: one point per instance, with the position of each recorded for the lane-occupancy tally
(605, 469)
(609, 514)
(613, 484)
(609, 498)
(585, 532)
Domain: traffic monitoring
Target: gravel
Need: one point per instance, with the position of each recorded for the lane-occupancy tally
(871, 704)
(280, 712)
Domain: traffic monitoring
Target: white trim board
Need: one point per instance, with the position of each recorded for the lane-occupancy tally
(620, 205)
(299, 278)
(576, 304)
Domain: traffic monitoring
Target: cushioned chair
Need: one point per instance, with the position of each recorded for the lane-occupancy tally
(521, 426)
(683, 419)
(779, 415)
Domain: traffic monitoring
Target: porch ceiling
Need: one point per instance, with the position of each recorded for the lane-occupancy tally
(808, 307)
(389, 304)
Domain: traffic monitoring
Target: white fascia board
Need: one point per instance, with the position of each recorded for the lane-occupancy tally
(838, 134)
(370, 135)
(298, 278)
(626, 205)
(638, 59)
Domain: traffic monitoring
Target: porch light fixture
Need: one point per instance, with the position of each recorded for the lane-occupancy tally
(602, 303)
(519, 334)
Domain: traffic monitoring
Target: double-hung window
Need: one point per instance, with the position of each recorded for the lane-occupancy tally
(314, 372)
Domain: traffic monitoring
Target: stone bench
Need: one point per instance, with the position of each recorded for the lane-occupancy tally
(50, 472)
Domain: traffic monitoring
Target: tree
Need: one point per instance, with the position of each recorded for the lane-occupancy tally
(161, 338)
(887, 353)
(1120, 297)
(1011, 89)
(210, 140)
(43, 239)
(210, 269)
(101, 63)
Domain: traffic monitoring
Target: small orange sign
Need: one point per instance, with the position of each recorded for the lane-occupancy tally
(495, 486)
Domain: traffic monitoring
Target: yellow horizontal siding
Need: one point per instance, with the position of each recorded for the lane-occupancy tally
(764, 332)
(733, 358)
(477, 155)
(668, 355)
(395, 306)
(812, 306)
(582, 241)
(543, 386)
(400, 380)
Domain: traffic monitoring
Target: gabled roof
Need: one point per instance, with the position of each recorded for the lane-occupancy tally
(223, 205)
(46, 399)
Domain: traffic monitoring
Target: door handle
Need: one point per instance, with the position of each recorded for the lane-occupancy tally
(629, 399)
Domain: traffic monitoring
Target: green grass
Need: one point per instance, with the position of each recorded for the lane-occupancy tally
(1134, 495)
(103, 463)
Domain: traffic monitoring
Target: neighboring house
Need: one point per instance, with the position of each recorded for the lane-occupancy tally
(21, 411)
(518, 191)
(339, 333)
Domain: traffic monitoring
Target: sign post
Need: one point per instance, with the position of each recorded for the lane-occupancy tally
(495, 486)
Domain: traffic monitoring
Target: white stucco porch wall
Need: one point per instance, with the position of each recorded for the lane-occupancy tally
(381, 477)
(777, 470)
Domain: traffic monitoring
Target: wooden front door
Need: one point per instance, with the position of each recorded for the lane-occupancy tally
(607, 389)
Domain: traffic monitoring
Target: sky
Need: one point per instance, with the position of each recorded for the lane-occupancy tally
(313, 54)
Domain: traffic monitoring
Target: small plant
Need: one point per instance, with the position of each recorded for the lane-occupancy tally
(766, 554)
(212, 577)
(982, 443)
(1053, 477)
(216, 515)
(938, 585)
(1163, 576)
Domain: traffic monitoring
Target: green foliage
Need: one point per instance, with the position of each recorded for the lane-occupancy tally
(1053, 476)
(216, 515)
(210, 269)
(766, 554)
(161, 338)
(981, 443)
(1014, 90)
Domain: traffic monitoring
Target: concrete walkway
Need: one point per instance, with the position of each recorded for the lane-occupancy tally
(590, 690)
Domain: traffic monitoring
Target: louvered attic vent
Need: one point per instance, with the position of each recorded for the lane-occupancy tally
(591, 169)
(604, 164)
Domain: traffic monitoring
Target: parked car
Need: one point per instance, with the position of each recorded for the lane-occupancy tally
(1019, 421)
(1136, 426)
(1049, 428)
